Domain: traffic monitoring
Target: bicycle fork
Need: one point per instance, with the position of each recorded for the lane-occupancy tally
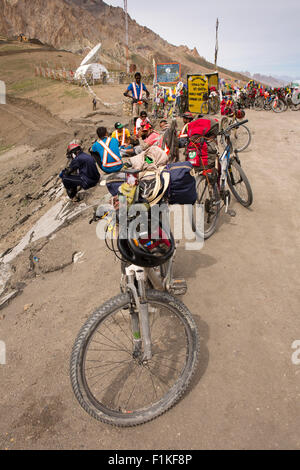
(225, 194)
(140, 318)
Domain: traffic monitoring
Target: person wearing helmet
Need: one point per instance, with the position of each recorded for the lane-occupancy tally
(149, 135)
(183, 136)
(82, 172)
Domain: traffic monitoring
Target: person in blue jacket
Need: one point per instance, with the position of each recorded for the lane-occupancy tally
(106, 152)
(82, 171)
(136, 89)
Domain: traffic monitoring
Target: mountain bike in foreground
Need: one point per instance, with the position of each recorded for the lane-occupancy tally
(211, 186)
(135, 356)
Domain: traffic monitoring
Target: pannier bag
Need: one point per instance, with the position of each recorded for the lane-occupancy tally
(202, 149)
(175, 184)
(114, 182)
(182, 186)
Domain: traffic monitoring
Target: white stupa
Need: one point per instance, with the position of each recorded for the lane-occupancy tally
(88, 67)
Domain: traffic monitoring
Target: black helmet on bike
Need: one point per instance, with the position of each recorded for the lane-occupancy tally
(145, 249)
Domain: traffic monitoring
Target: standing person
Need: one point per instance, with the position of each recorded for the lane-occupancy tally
(94, 104)
(106, 152)
(137, 88)
(82, 171)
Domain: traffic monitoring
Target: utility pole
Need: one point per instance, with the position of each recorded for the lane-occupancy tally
(217, 45)
(126, 35)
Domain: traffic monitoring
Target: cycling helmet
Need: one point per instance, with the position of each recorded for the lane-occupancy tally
(239, 114)
(188, 115)
(73, 146)
(145, 249)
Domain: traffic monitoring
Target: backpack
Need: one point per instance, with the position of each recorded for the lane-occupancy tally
(182, 186)
(202, 149)
(175, 184)
(114, 182)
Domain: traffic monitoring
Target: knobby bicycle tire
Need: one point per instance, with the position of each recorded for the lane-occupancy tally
(241, 149)
(208, 205)
(118, 417)
(246, 145)
(231, 183)
(280, 107)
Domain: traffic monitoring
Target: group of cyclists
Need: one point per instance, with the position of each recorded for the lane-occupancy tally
(115, 150)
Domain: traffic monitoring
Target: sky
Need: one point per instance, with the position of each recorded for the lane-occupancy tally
(259, 36)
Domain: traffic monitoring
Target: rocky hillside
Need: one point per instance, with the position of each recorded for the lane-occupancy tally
(75, 25)
(267, 79)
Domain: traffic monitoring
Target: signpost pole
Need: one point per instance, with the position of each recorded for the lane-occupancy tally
(217, 45)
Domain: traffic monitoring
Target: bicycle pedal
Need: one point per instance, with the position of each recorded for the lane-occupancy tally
(178, 287)
(231, 212)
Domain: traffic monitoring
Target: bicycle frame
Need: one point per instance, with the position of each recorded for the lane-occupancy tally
(224, 160)
(135, 284)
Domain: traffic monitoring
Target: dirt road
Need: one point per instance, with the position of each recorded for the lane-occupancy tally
(243, 290)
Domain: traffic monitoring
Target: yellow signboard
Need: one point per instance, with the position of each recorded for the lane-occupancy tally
(213, 80)
(198, 93)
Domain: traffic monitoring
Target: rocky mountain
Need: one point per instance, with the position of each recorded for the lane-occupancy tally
(268, 79)
(75, 25)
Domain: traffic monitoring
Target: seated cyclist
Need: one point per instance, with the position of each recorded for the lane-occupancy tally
(106, 152)
(82, 172)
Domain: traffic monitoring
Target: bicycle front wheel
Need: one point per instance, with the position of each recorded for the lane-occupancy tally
(241, 138)
(279, 106)
(109, 378)
(239, 184)
(209, 198)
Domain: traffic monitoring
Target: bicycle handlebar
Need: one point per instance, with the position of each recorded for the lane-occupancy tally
(234, 126)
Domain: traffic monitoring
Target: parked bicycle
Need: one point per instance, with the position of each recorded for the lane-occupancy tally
(212, 190)
(278, 104)
(135, 356)
(292, 102)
